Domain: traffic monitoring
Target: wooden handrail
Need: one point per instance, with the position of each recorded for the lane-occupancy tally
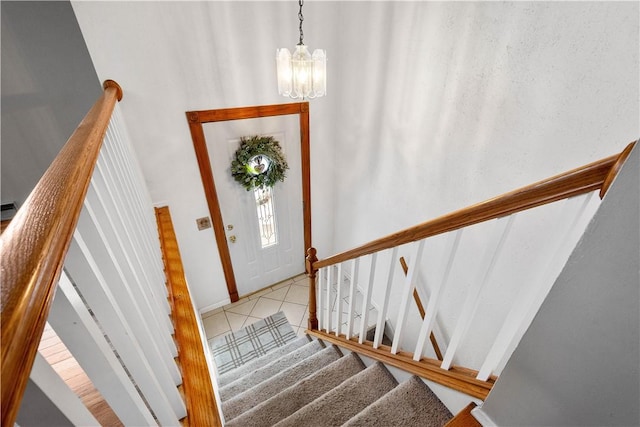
(202, 407)
(35, 243)
(418, 300)
(457, 378)
(572, 183)
(464, 418)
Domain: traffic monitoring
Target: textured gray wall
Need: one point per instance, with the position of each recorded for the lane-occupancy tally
(48, 85)
(38, 410)
(578, 364)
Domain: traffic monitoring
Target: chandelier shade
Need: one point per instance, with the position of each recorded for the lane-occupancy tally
(301, 74)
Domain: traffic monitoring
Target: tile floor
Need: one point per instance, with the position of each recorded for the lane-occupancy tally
(290, 296)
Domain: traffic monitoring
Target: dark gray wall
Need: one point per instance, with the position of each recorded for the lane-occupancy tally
(48, 85)
(579, 362)
(40, 411)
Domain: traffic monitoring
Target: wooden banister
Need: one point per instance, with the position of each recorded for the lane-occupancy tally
(202, 407)
(418, 301)
(464, 418)
(34, 245)
(578, 181)
(457, 378)
(311, 273)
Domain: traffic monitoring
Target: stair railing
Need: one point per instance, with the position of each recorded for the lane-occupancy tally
(83, 254)
(35, 244)
(327, 296)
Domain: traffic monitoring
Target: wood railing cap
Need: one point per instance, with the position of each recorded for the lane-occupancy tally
(613, 172)
(112, 83)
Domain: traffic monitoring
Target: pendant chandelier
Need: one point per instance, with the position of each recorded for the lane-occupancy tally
(301, 75)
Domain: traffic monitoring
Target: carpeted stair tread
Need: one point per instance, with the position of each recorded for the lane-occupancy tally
(345, 401)
(298, 395)
(273, 368)
(254, 364)
(411, 404)
(263, 391)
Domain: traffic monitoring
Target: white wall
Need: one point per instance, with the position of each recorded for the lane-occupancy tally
(446, 104)
(173, 57)
(579, 362)
(431, 106)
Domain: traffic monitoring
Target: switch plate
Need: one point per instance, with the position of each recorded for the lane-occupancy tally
(203, 223)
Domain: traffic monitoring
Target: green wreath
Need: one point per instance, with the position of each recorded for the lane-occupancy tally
(259, 162)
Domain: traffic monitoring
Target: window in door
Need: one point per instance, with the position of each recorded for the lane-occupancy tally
(266, 216)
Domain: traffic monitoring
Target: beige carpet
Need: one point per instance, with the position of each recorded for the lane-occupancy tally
(305, 383)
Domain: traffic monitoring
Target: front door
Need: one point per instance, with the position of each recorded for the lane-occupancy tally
(264, 227)
(247, 121)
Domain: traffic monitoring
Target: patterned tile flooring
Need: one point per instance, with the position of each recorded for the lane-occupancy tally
(290, 296)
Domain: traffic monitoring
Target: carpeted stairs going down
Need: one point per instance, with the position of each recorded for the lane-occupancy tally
(307, 383)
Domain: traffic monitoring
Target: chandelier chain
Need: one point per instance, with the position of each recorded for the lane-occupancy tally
(301, 18)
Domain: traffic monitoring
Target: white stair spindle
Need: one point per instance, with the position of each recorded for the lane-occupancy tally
(407, 293)
(382, 315)
(111, 199)
(434, 301)
(519, 318)
(320, 297)
(330, 303)
(355, 268)
(130, 298)
(501, 230)
(165, 401)
(124, 253)
(73, 323)
(115, 186)
(339, 300)
(364, 319)
(145, 203)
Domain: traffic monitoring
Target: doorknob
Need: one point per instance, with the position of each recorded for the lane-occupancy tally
(232, 239)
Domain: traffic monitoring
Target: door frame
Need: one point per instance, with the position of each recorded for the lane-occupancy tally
(196, 119)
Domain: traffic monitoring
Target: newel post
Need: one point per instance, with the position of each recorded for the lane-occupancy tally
(311, 272)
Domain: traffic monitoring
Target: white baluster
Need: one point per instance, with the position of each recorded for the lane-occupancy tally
(434, 301)
(109, 169)
(407, 293)
(164, 399)
(110, 198)
(330, 305)
(320, 297)
(339, 300)
(364, 319)
(132, 300)
(520, 317)
(99, 195)
(501, 229)
(382, 315)
(355, 268)
(74, 325)
(145, 203)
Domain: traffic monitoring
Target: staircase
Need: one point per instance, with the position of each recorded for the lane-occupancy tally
(307, 382)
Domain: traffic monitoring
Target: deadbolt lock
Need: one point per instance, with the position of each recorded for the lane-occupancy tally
(230, 227)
